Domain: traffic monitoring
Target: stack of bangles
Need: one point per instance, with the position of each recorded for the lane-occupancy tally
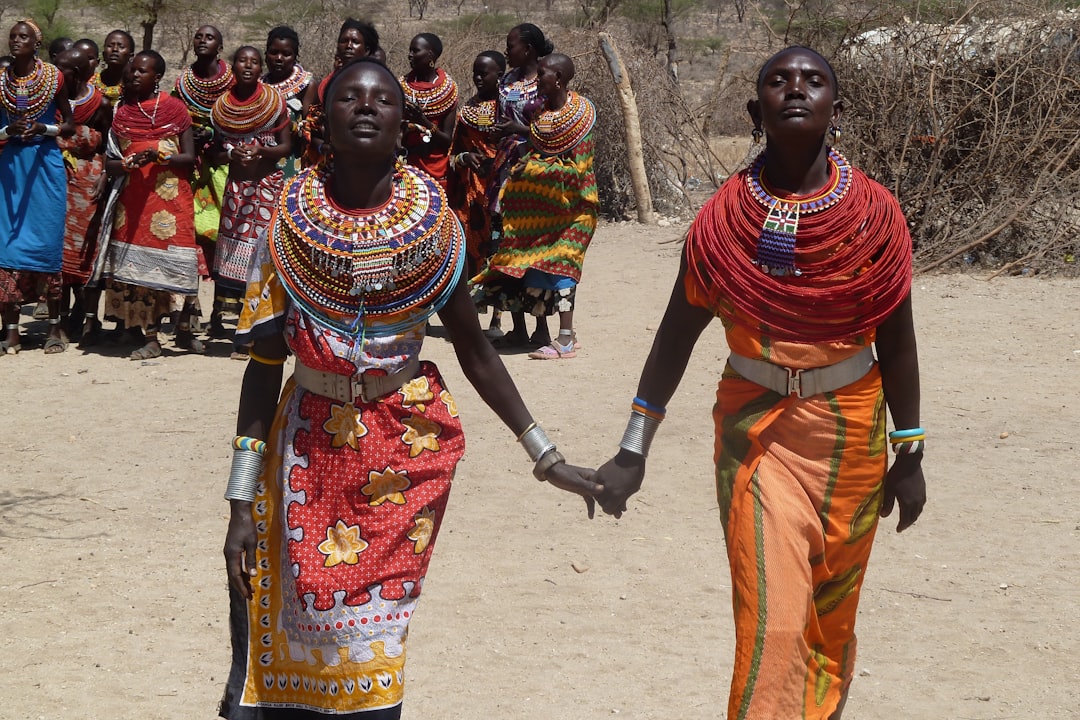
(908, 442)
(247, 464)
(541, 450)
(645, 419)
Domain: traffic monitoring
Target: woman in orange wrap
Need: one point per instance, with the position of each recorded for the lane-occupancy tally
(807, 262)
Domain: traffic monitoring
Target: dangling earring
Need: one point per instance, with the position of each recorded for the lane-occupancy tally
(431, 63)
(756, 134)
(835, 131)
(157, 86)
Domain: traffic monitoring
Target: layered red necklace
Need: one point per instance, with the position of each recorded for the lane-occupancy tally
(155, 118)
(434, 98)
(28, 96)
(200, 94)
(850, 255)
(256, 117)
(553, 132)
(83, 108)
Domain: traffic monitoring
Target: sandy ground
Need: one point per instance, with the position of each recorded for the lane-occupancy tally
(112, 588)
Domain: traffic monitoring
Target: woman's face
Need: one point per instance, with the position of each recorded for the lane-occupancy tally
(141, 77)
(485, 75)
(364, 113)
(280, 57)
(796, 94)
(118, 50)
(207, 42)
(547, 78)
(22, 41)
(421, 56)
(350, 44)
(517, 50)
(247, 66)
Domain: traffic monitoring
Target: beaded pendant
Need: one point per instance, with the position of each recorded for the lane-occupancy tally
(776, 243)
(480, 116)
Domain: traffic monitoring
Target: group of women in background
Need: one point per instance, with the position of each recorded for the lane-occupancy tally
(163, 189)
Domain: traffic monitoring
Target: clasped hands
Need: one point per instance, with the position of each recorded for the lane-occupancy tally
(610, 486)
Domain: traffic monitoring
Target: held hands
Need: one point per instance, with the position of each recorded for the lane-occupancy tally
(577, 480)
(619, 478)
(904, 484)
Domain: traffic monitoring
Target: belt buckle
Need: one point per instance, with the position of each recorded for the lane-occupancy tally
(359, 387)
(794, 382)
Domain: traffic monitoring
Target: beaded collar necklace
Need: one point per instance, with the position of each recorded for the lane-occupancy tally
(111, 92)
(435, 98)
(385, 269)
(29, 96)
(776, 243)
(479, 116)
(518, 90)
(199, 94)
(257, 117)
(293, 85)
(87, 95)
(556, 131)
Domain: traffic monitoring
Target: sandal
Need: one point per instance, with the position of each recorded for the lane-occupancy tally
(55, 345)
(7, 348)
(554, 351)
(151, 349)
(186, 340)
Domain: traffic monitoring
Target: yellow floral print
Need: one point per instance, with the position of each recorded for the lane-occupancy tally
(343, 544)
(423, 526)
(167, 185)
(163, 224)
(417, 393)
(448, 401)
(422, 434)
(345, 425)
(386, 486)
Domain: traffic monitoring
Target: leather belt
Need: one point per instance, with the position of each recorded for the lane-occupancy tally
(347, 388)
(803, 382)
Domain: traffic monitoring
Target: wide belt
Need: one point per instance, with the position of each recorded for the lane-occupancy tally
(366, 386)
(804, 382)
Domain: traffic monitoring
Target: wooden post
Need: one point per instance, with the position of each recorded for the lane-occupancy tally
(635, 156)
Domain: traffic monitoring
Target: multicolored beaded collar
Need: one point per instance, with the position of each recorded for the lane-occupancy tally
(257, 117)
(479, 116)
(434, 99)
(517, 90)
(199, 94)
(29, 96)
(292, 86)
(776, 242)
(111, 92)
(378, 271)
(555, 131)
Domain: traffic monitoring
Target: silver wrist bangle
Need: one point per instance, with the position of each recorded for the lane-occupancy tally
(536, 442)
(640, 430)
(52, 130)
(547, 461)
(244, 475)
(4, 132)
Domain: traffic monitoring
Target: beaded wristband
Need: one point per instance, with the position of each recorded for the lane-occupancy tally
(909, 447)
(547, 461)
(536, 442)
(244, 475)
(265, 360)
(243, 442)
(640, 430)
(901, 435)
(647, 408)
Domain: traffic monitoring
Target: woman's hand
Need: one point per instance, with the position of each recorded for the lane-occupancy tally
(577, 480)
(620, 478)
(904, 484)
(509, 127)
(240, 548)
(18, 128)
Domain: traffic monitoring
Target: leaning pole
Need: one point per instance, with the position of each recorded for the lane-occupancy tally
(632, 130)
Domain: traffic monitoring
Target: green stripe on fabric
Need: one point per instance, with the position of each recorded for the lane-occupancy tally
(763, 606)
(734, 429)
(835, 458)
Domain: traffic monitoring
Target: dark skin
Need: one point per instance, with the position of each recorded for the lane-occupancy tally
(364, 116)
(281, 58)
(485, 77)
(254, 161)
(520, 55)
(206, 43)
(116, 53)
(23, 46)
(422, 60)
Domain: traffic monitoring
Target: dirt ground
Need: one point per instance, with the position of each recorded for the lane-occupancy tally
(112, 588)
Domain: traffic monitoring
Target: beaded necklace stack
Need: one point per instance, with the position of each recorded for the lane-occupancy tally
(199, 94)
(553, 132)
(516, 92)
(434, 99)
(479, 116)
(112, 93)
(293, 86)
(380, 271)
(29, 96)
(256, 118)
(776, 243)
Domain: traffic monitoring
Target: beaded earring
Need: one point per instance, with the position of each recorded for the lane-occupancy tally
(157, 86)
